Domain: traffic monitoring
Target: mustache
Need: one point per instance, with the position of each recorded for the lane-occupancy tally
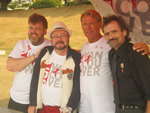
(112, 39)
(59, 42)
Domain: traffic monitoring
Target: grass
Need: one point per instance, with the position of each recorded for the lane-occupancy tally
(13, 27)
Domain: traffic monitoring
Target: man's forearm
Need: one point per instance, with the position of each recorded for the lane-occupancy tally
(31, 109)
(148, 106)
(16, 64)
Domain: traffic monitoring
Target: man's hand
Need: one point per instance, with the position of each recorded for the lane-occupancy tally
(141, 46)
(65, 110)
(148, 106)
(31, 109)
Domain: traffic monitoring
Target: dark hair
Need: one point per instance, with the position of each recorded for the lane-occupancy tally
(121, 23)
(93, 14)
(35, 18)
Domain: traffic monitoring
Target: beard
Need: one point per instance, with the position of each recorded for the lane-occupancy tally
(113, 42)
(36, 41)
(59, 48)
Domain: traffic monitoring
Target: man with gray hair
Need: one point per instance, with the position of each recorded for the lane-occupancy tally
(55, 82)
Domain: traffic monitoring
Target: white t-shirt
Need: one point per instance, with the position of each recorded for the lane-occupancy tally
(19, 91)
(96, 80)
(52, 81)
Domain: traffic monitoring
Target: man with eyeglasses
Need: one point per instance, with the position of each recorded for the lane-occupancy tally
(22, 59)
(55, 82)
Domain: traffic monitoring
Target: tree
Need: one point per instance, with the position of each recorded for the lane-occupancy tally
(4, 4)
(19, 1)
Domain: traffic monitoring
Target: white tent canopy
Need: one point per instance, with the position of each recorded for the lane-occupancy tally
(136, 13)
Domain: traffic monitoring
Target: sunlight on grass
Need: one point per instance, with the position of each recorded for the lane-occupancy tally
(15, 31)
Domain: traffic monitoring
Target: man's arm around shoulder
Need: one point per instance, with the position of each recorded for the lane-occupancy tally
(148, 106)
(16, 64)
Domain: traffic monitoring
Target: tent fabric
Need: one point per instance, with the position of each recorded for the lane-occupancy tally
(136, 14)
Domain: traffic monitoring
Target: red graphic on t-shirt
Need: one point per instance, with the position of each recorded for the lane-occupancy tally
(24, 54)
(81, 58)
(29, 47)
(56, 71)
(113, 82)
(87, 60)
(46, 74)
(133, 3)
(32, 62)
(21, 70)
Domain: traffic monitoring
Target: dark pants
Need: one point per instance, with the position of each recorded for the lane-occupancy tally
(133, 111)
(17, 106)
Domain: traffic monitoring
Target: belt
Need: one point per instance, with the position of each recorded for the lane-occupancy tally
(129, 107)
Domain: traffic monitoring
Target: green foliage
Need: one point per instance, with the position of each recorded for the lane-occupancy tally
(44, 4)
(76, 3)
(26, 4)
(12, 6)
(59, 2)
(68, 4)
(88, 2)
(72, 3)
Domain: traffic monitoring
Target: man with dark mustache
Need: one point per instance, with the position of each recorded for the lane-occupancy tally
(130, 69)
(22, 59)
(56, 76)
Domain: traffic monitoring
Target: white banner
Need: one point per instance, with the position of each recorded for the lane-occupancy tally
(136, 14)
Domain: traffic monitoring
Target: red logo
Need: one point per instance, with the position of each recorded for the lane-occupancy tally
(113, 82)
(24, 54)
(29, 47)
(67, 71)
(46, 74)
(56, 71)
(87, 60)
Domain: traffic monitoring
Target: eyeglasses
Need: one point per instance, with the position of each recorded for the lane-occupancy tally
(61, 36)
(36, 29)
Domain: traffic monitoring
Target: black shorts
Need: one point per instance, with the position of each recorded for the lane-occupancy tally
(17, 106)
